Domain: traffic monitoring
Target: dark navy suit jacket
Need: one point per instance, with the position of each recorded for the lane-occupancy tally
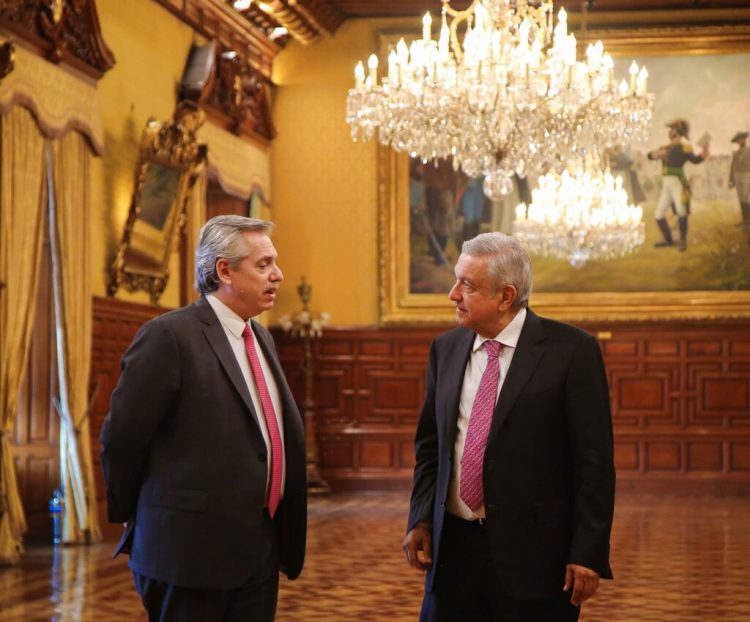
(549, 473)
(185, 462)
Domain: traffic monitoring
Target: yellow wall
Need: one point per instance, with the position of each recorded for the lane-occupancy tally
(325, 185)
(150, 46)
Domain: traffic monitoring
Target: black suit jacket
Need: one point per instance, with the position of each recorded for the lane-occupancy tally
(185, 462)
(548, 469)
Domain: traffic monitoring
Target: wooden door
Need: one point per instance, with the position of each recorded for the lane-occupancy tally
(36, 439)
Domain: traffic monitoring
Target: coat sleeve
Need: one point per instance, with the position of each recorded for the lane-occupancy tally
(426, 449)
(589, 422)
(144, 396)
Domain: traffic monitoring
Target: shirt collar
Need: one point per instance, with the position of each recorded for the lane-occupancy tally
(508, 337)
(233, 322)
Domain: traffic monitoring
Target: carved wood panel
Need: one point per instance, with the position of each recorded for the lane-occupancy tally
(680, 402)
(64, 31)
(680, 398)
(115, 323)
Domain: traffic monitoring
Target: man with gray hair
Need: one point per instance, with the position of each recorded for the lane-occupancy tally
(203, 450)
(513, 494)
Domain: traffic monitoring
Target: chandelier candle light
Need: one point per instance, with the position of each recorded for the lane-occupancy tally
(580, 216)
(512, 98)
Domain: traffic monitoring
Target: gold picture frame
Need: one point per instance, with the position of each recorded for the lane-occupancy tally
(646, 33)
(168, 159)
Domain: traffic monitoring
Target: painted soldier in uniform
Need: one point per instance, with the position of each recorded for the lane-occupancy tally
(739, 175)
(675, 189)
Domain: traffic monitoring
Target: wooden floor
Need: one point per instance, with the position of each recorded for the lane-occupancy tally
(676, 559)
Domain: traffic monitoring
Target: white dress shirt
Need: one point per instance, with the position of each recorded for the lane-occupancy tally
(233, 326)
(508, 337)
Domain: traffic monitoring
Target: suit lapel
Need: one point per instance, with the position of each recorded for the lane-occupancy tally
(219, 343)
(529, 350)
(454, 361)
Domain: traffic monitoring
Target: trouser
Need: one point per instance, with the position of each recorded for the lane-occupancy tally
(671, 192)
(252, 601)
(466, 586)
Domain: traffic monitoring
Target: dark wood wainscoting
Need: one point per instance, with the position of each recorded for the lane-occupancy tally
(680, 400)
(115, 323)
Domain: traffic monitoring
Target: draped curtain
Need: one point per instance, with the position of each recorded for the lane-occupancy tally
(70, 219)
(22, 200)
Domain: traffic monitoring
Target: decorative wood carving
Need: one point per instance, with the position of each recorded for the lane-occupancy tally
(64, 31)
(680, 402)
(230, 90)
(7, 64)
(217, 20)
(238, 100)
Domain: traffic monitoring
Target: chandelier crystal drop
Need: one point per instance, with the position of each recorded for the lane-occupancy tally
(580, 216)
(511, 98)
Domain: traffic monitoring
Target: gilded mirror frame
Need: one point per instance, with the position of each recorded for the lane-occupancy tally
(169, 156)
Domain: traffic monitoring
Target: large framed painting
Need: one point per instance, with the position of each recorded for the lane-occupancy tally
(698, 74)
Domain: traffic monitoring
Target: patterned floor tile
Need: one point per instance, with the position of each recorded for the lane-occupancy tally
(675, 559)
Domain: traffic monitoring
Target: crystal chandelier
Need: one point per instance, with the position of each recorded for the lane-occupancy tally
(512, 98)
(580, 216)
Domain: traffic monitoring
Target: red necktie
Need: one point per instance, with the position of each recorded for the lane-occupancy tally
(471, 488)
(277, 447)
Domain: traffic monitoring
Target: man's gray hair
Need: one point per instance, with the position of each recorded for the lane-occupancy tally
(221, 238)
(508, 263)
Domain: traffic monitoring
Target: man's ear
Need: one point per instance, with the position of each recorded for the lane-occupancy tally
(222, 271)
(508, 295)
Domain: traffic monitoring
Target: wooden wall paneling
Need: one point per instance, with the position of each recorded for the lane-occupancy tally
(680, 402)
(680, 398)
(115, 323)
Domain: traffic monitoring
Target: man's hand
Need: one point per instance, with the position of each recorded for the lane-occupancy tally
(419, 539)
(584, 582)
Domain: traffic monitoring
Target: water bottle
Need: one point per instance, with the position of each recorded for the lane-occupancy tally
(56, 507)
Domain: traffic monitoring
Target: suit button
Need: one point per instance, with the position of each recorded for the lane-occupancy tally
(261, 457)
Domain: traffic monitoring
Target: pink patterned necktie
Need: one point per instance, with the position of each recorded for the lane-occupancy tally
(277, 447)
(471, 489)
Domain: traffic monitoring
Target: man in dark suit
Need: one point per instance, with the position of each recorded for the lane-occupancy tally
(203, 449)
(513, 495)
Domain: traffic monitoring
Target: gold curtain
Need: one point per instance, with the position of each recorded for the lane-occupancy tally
(71, 217)
(22, 198)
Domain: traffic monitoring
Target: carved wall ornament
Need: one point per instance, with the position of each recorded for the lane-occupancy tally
(232, 91)
(239, 94)
(7, 58)
(63, 30)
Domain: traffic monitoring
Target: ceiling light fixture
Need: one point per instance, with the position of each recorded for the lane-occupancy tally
(511, 98)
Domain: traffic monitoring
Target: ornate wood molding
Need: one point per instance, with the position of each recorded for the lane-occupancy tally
(239, 100)
(7, 64)
(215, 19)
(63, 30)
(232, 92)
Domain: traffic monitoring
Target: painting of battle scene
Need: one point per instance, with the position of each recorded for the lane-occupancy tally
(691, 177)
